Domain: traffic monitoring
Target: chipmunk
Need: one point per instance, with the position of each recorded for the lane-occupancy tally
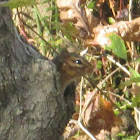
(71, 66)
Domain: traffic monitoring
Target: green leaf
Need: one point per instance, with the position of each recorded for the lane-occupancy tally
(116, 112)
(111, 20)
(91, 5)
(137, 60)
(133, 72)
(117, 46)
(17, 3)
(136, 100)
(99, 64)
(129, 82)
(123, 136)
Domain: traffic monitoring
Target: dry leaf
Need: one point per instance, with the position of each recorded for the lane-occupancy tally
(99, 116)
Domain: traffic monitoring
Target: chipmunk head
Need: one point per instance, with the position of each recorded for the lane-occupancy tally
(71, 66)
(75, 65)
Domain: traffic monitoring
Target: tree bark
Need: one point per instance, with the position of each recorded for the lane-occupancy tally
(32, 105)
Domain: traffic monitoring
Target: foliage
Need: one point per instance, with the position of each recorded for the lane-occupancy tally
(17, 3)
(117, 46)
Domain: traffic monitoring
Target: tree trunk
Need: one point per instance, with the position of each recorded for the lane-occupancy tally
(32, 105)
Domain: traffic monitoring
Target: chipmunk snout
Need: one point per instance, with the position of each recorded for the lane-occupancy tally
(89, 68)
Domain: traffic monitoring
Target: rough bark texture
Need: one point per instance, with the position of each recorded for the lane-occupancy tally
(32, 106)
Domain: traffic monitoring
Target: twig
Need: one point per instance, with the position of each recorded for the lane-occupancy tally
(137, 117)
(130, 10)
(118, 96)
(80, 114)
(85, 130)
(118, 64)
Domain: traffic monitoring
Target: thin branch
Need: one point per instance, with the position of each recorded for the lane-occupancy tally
(137, 117)
(118, 64)
(85, 130)
(118, 96)
(130, 10)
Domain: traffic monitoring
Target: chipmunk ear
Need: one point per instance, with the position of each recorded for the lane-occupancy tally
(65, 53)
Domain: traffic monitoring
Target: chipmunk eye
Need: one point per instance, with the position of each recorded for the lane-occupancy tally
(79, 62)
